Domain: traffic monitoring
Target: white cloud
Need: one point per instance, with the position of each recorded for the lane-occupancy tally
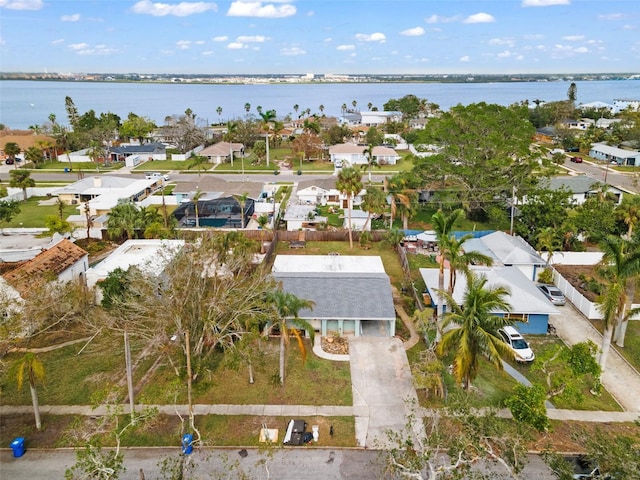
(241, 8)
(573, 38)
(466, 58)
(79, 46)
(535, 36)
(439, 19)
(86, 49)
(413, 32)
(71, 18)
(374, 37)
(58, 42)
(505, 54)
(502, 42)
(611, 16)
(182, 9)
(251, 38)
(21, 4)
(292, 52)
(199, 42)
(345, 47)
(479, 18)
(544, 3)
(183, 44)
(207, 53)
(328, 40)
(581, 50)
(236, 46)
(222, 38)
(2, 42)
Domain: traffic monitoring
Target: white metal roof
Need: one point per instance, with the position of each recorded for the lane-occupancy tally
(328, 264)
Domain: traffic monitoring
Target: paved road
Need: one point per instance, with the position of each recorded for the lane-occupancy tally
(604, 174)
(282, 464)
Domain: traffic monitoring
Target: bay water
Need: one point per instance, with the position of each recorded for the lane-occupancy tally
(25, 103)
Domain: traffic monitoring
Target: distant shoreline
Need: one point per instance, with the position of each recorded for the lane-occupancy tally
(286, 79)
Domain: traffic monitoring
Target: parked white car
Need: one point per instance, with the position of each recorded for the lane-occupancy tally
(518, 344)
(150, 175)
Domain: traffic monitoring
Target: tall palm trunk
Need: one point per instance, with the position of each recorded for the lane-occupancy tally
(36, 405)
(349, 203)
(440, 309)
(282, 354)
(621, 327)
(606, 345)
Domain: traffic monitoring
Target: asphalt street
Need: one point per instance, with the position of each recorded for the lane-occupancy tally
(281, 463)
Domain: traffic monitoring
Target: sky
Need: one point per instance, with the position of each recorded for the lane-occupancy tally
(320, 36)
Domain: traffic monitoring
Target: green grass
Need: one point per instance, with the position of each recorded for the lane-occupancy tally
(33, 215)
(73, 378)
(631, 349)
(541, 344)
(79, 166)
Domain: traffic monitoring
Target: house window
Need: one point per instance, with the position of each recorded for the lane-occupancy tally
(518, 317)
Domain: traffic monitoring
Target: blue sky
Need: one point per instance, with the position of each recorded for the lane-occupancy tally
(320, 36)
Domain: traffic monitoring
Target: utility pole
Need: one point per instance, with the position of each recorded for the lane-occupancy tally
(513, 208)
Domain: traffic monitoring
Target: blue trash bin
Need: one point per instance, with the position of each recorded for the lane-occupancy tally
(18, 447)
(187, 443)
(66, 170)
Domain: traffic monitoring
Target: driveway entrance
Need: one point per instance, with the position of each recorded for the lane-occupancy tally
(383, 392)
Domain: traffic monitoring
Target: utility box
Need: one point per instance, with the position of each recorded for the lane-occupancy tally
(18, 447)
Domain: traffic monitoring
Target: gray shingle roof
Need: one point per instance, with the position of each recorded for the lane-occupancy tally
(363, 296)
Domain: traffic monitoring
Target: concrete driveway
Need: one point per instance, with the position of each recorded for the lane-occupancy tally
(619, 378)
(383, 392)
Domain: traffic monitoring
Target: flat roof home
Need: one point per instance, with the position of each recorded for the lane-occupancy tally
(352, 294)
(150, 256)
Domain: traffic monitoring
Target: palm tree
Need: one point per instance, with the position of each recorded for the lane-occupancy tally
(621, 262)
(219, 111)
(629, 212)
(371, 160)
(22, 179)
(354, 103)
(475, 329)
(349, 184)
(242, 200)
(199, 162)
(548, 240)
(122, 220)
(373, 202)
(267, 119)
(459, 259)
(295, 108)
(230, 134)
(31, 367)
(194, 199)
(247, 107)
(263, 221)
(442, 225)
(321, 108)
(343, 108)
(287, 307)
(369, 105)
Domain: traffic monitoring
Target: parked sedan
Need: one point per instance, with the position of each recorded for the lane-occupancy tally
(553, 293)
(576, 159)
(518, 344)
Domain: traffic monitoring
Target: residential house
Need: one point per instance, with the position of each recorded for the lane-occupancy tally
(222, 152)
(607, 153)
(324, 192)
(530, 309)
(302, 217)
(507, 250)
(144, 152)
(375, 118)
(102, 193)
(63, 262)
(151, 256)
(352, 294)
(350, 154)
(620, 104)
(581, 187)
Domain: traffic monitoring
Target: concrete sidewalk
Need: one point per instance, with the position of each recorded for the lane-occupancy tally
(620, 379)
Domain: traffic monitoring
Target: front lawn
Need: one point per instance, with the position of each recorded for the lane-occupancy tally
(33, 215)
